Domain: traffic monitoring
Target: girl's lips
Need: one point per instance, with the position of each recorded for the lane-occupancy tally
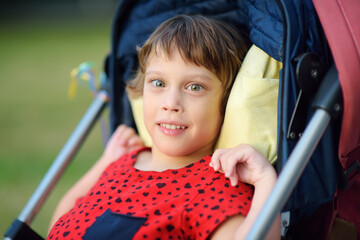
(172, 129)
(172, 126)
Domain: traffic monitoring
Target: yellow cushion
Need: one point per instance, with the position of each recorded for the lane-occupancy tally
(137, 109)
(251, 112)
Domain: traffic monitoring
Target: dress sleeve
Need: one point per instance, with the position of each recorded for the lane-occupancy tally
(213, 205)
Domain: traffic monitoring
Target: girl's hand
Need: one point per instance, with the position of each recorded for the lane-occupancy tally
(246, 164)
(243, 163)
(123, 140)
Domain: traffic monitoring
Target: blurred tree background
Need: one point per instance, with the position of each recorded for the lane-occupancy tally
(40, 43)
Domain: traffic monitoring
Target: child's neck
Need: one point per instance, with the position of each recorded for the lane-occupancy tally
(158, 161)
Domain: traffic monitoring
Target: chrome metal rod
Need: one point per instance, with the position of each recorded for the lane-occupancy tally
(64, 158)
(290, 174)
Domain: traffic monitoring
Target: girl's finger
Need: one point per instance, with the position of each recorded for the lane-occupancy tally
(126, 135)
(116, 136)
(230, 168)
(229, 161)
(120, 129)
(234, 180)
(135, 141)
(215, 159)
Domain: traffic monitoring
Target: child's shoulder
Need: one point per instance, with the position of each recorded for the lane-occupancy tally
(136, 154)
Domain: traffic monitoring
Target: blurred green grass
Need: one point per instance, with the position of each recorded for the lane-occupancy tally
(36, 116)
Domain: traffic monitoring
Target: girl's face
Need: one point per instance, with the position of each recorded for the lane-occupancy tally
(181, 106)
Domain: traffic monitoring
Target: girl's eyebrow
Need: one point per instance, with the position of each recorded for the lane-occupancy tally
(198, 77)
(153, 72)
(185, 75)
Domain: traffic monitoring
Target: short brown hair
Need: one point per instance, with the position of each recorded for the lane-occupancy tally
(201, 40)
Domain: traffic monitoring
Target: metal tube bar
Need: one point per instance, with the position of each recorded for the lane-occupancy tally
(64, 158)
(290, 174)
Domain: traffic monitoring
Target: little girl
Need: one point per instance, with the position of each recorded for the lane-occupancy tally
(171, 191)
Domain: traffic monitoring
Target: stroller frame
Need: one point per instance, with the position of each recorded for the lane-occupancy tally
(19, 228)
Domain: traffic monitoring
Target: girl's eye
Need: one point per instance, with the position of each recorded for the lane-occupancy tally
(158, 83)
(195, 87)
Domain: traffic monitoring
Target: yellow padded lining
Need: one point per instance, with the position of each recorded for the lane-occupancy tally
(251, 111)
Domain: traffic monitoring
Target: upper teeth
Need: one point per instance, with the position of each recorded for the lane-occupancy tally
(171, 126)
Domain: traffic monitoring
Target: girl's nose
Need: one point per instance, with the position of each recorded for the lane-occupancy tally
(172, 102)
(169, 108)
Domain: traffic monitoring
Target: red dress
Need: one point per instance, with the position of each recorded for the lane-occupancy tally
(126, 203)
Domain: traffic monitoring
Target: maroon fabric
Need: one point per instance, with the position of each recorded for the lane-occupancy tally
(340, 20)
(322, 218)
(348, 204)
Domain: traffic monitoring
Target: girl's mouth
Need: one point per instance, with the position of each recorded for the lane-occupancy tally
(173, 127)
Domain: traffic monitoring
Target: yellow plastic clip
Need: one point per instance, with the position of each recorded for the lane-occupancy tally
(73, 83)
